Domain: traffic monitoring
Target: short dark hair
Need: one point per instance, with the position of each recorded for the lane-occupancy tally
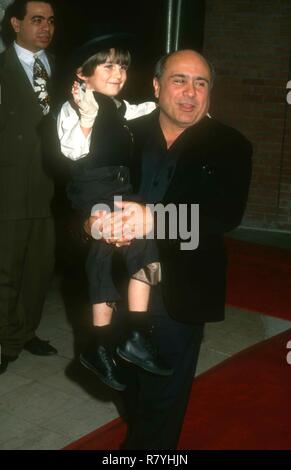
(120, 57)
(161, 65)
(18, 9)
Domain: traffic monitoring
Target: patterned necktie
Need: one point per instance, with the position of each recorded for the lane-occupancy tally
(40, 80)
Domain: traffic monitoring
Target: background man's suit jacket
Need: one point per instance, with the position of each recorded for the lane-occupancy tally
(26, 190)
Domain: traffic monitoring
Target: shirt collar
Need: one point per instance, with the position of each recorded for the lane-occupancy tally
(27, 56)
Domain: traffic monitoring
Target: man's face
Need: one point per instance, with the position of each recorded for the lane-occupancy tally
(36, 30)
(183, 90)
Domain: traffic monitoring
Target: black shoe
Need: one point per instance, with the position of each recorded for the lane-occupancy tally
(39, 347)
(103, 365)
(139, 350)
(4, 361)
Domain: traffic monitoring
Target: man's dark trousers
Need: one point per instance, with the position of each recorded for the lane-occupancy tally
(156, 405)
(27, 260)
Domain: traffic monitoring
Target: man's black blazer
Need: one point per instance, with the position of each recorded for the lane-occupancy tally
(213, 170)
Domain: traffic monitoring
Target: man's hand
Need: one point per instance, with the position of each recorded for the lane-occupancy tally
(87, 105)
(130, 220)
(95, 224)
(88, 224)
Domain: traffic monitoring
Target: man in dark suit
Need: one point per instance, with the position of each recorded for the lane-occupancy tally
(187, 158)
(26, 191)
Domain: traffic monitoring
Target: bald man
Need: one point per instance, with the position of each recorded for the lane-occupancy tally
(182, 157)
(186, 158)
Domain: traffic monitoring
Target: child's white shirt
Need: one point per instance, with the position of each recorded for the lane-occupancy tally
(74, 145)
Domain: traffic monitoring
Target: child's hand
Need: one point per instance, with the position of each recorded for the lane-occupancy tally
(87, 105)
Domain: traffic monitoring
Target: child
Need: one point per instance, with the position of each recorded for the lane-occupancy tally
(96, 178)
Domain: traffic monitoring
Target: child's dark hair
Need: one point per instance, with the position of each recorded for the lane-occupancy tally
(118, 56)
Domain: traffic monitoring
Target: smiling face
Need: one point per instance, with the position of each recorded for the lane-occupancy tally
(36, 30)
(108, 78)
(183, 90)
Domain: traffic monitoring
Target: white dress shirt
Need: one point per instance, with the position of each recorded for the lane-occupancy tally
(74, 144)
(27, 58)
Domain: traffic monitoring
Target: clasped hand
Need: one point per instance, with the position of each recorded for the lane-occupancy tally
(130, 220)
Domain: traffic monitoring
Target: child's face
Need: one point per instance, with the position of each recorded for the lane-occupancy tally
(108, 78)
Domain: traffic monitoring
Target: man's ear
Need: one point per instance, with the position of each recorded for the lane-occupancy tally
(156, 87)
(15, 23)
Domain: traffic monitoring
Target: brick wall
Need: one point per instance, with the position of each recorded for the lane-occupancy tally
(249, 43)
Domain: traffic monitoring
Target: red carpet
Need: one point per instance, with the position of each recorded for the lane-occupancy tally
(259, 278)
(243, 403)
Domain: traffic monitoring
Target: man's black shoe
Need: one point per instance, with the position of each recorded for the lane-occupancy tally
(4, 361)
(100, 362)
(140, 350)
(39, 347)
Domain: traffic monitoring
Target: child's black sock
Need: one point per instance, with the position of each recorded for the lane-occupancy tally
(103, 336)
(139, 321)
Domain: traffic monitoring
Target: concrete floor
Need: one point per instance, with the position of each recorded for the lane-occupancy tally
(48, 402)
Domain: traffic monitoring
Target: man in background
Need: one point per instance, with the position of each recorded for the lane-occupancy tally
(26, 190)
